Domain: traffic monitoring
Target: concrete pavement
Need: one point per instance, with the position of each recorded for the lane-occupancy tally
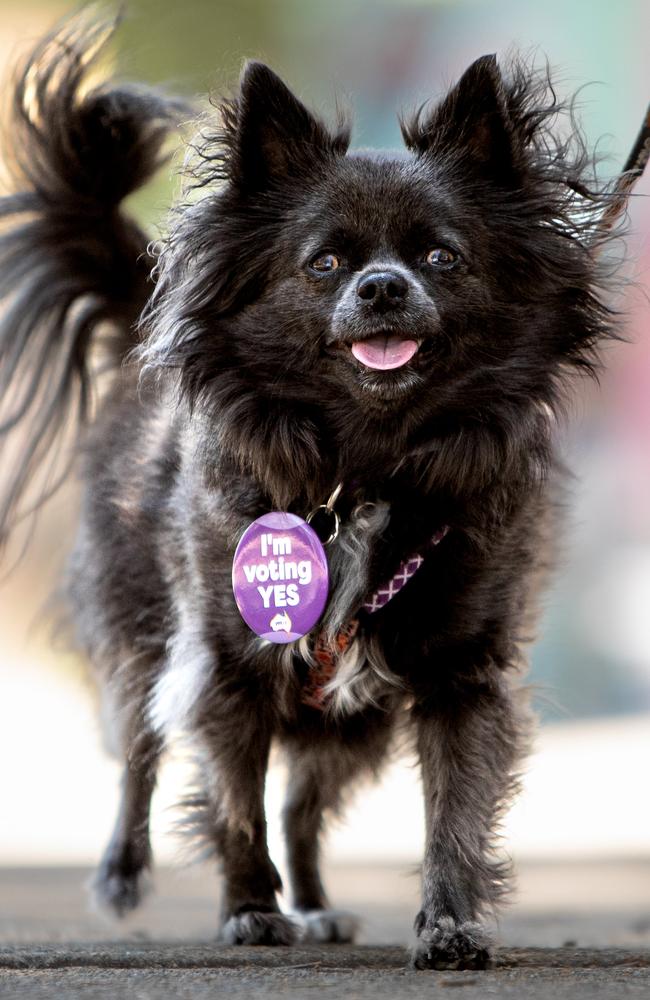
(143, 971)
(578, 931)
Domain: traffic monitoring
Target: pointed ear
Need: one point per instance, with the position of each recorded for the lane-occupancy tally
(472, 122)
(275, 135)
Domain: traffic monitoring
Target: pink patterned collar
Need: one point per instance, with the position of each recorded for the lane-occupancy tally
(406, 570)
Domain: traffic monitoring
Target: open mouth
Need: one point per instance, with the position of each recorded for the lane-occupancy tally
(385, 351)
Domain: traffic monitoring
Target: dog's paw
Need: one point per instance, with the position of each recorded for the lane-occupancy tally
(260, 928)
(329, 926)
(448, 945)
(118, 892)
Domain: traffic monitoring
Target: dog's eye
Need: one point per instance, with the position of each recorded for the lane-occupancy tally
(325, 262)
(441, 257)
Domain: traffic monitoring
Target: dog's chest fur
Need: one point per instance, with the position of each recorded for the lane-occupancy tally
(361, 676)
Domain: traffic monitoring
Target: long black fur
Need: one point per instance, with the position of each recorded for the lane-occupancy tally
(69, 258)
(240, 395)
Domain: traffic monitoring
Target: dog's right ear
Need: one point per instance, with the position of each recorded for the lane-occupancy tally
(272, 135)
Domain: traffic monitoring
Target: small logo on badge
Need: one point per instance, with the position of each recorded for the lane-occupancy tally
(281, 622)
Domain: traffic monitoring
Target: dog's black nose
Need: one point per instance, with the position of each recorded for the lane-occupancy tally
(383, 287)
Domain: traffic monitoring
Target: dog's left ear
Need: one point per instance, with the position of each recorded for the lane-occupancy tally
(472, 122)
(273, 135)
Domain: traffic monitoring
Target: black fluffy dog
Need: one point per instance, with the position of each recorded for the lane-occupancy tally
(405, 325)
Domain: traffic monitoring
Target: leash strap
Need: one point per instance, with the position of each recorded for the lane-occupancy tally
(638, 158)
(633, 169)
(326, 654)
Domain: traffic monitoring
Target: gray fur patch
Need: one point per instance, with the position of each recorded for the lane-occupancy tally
(349, 559)
(453, 945)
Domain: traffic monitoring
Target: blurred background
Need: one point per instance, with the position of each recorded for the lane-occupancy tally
(585, 797)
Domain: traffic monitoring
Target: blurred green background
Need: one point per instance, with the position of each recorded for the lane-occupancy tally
(380, 57)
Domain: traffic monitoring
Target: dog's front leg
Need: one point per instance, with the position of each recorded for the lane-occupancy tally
(468, 741)
(234, 741)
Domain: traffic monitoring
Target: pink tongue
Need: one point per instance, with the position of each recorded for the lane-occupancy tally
(384, 351)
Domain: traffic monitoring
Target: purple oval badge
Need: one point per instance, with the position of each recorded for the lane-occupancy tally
(280, 577)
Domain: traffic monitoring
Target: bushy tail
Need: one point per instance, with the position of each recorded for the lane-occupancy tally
(70, 260)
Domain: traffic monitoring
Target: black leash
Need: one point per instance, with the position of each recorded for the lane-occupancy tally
(633, 169)
(638, 158)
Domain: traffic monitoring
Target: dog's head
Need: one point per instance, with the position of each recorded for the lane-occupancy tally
(397, 295)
